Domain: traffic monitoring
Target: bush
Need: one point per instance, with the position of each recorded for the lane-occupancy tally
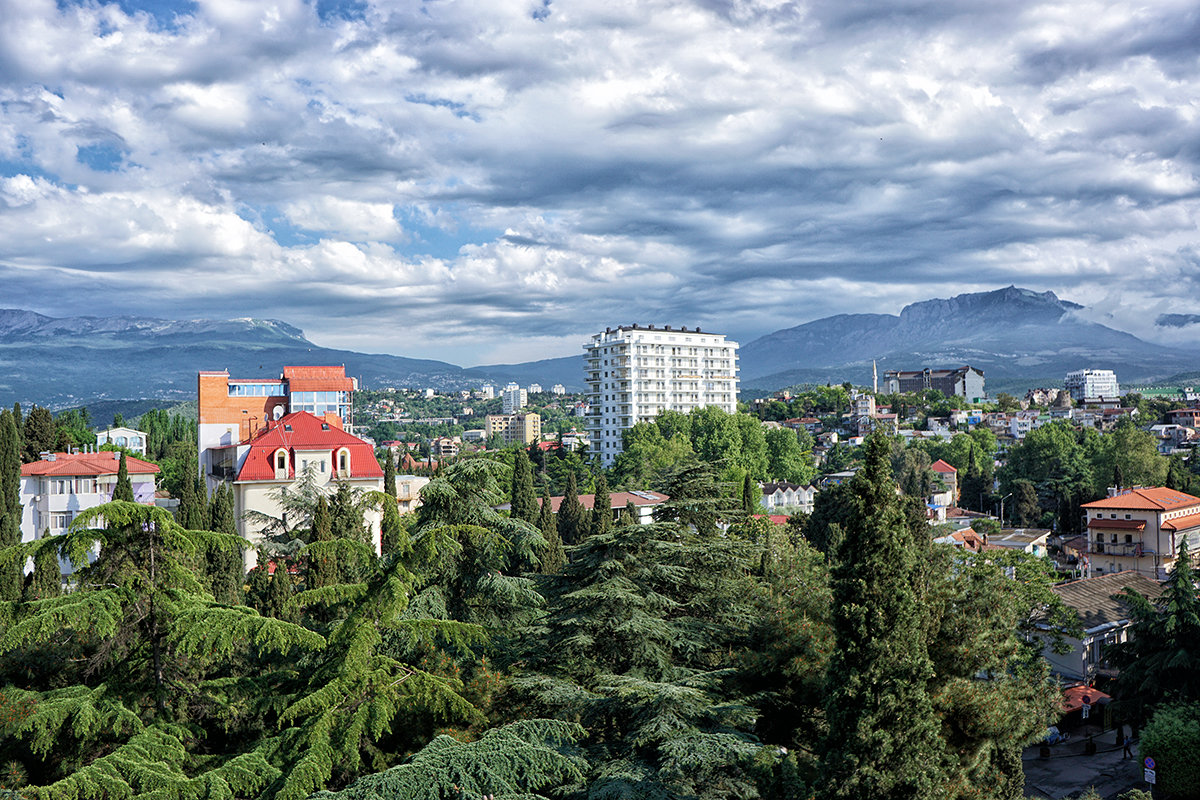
(1172, 738)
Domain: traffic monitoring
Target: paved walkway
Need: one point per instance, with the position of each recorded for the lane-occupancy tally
(1069, 772)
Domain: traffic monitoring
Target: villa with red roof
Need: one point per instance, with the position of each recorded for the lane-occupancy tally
(949, 476)
(57, 488)
(1140, 529)
(291, 446)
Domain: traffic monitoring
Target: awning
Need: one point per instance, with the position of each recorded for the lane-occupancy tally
(1074, 698)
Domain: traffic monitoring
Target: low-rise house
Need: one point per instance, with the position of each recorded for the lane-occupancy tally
(1027, 540)
(644, 502)
(949, 476)
(408, 492)
(132, 440)
(1140, 529)
(1104, 618)
(297, 447)
(58, 487)
(445, 446)
(780, 495)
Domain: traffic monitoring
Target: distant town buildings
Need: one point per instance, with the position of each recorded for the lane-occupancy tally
(964, 382)
(633, 372)
(1092, 385)
(535, 388)
(558, 388)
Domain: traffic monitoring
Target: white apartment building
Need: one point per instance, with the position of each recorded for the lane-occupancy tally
(633, 372)
(514, 398)
(1092, 384)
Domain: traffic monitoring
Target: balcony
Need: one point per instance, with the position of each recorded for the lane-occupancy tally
(1135, 549)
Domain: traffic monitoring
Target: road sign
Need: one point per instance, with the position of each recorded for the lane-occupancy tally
(1087, 710)
(1149, 762)
(1150, 776)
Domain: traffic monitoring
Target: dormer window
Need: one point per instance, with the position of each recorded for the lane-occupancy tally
(343, 463)
(281, 465)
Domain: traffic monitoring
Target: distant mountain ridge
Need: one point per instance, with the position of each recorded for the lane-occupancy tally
(1018, 337)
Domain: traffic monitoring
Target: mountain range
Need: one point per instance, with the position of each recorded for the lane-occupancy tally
(1019, 339)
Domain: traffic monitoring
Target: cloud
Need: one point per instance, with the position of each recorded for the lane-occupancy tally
(431, 179)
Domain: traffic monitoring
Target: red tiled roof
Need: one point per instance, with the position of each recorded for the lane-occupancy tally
(1118, 524)
(942, 466)
(317, 379)
(1154, 499)
(615, 499)
(74, 464)
(302, 431)
(777, 519)
(1182, 523)
(1074, 697)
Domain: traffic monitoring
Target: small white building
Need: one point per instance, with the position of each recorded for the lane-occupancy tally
(132, 440)
(780, 496)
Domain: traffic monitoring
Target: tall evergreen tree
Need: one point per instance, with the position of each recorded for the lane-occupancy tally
(10, 505)
(554, 557)
(974, 490)
(226, 566)
(602, 517)
(322, 562)
(191, 512)
(1026, 509)
(750, 503)
(389, 474)
(124, 489)
(882, 729)
(571, 516)
(524, 501)
(39, 433)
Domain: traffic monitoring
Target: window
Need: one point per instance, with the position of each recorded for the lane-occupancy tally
(343, 463)
(1129, 538)
(281, 460)
(1128, 516)
(59, 522)
(60, 486)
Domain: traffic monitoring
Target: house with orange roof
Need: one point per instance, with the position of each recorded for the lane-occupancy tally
(59, 486)
(295, 446)
(1140, 529)
(949, 476)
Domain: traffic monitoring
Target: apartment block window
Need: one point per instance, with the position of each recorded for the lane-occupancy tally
(60, 522)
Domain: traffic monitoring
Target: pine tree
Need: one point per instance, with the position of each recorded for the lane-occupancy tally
(46, 580)
(524, 501)
(39, 433)
(124, 489)
(882, 729)
(225, 566)
(571, 519)
(554, 556)
(602, 517)
(11, 578)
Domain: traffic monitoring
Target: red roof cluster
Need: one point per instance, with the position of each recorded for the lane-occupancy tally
(303, 431)
(1155, 499)
(76, 464)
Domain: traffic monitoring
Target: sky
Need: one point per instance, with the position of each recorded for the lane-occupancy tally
(486, 181)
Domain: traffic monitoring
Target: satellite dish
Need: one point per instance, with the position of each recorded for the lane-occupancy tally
(278, 412)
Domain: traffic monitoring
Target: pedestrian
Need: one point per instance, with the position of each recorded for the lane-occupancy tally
(1127, 752)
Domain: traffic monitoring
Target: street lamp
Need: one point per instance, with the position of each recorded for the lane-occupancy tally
(1002, 499)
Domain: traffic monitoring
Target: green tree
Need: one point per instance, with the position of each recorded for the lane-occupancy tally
(647, 454)
(10, 504)
(787, 459)
(124, 489)
(572, 518)
(751, 495)
(1053, 459)
(39, 434)
(1027, 511)
(1171, 739)
(882, 725)
(554, 557)
(225, 566)
(192, 513)
(524, 501)
(602, 517)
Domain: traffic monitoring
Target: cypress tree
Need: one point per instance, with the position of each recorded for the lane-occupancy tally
(226, 568)
(601, 508)
(555, 557)
(124, 489)
(190, 513)
(11, 578)
(1118, 476)
(882, 733)
(749, 501)
(389, 475)
(524, 501)
(570, 514)
(322, 564)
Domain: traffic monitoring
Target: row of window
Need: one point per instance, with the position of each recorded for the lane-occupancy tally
(73, 486)
(256, 390)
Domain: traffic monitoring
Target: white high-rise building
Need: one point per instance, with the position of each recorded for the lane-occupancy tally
(633, 372)
(514, 398)
(1092, 384)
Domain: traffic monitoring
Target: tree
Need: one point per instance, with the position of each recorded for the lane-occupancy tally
(192, 513)
(524, 501)
(10, 504)
(124, 489)
(602, 517)
(1160, 662)
(572, 520)
(39, 435)
(882, 727)
(976, 489)
(787, 459)
(1171, 738)
(554, 557)
(225, 566)
(1027, 511)
(751, 495)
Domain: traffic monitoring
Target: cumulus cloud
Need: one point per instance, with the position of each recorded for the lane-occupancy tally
(430, 179)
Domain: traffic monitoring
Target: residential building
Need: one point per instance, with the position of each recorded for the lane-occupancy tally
(295, 447)
(514, 398)
(535, 388)
(949, 476)
(58, 487)
(232, 411)
(408, 492)
(487, 391)
(1189, 417)
(966, 381)
(1139, 529)
(558, 388)
(643, 502)
(132, 440)
(523, 428)
(1027, 540)
(445, 446)
(782, 495)
(633, 372)
(1087, 385)
(1104, 618)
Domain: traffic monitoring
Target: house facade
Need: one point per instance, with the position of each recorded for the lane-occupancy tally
(1139, 530)
(966, 381)
(780, 496)
(292, 447)
(132, 440)
(60, 486)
